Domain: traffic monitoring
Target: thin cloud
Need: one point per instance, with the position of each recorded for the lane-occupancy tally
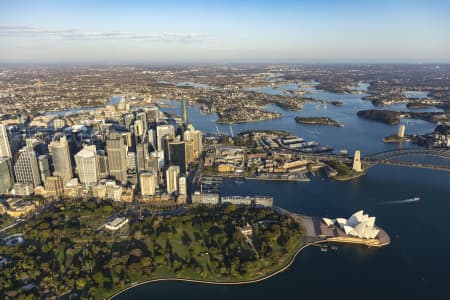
(75, 34)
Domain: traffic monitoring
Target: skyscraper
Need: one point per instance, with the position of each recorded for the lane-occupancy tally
(142, 116)
(184, 111)
(117, 157)
(103, 164)
(147, 182)
(87, 165)
(152, 114)
(189, 151)
(182, 189)
(196, 137)
(5, 149)
(143, 156)
(172, 174)
(62, 165)
(139, 128)
(26, 167)
(162, 131)
(6, 175)
(128, 120)
(177, 155)
(44, 167)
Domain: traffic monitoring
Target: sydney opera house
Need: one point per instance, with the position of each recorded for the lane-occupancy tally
(358, 225)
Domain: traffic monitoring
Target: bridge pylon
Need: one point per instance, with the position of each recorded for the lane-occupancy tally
(357, 161)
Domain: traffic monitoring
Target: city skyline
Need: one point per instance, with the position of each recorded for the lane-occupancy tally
(215, 32)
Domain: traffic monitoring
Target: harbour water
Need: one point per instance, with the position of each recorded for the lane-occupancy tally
(415, 265)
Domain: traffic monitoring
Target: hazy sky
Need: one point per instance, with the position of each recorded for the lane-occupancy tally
(224, 31)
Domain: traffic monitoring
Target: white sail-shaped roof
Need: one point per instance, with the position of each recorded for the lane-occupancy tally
(348, 229)
(328, 222)
(359, 225)
(341, 222)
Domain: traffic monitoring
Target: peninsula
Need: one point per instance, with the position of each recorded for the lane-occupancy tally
(97, 249)
(393, 117)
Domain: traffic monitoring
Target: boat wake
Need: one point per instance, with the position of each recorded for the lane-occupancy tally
(415, 199)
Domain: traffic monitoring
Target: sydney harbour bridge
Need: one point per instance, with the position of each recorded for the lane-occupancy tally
(407, 157)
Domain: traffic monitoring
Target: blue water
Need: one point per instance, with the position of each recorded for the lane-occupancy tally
(113, 101)
(357, 133)
(415, 266)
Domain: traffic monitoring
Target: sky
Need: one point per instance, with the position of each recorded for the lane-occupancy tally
(183, 31)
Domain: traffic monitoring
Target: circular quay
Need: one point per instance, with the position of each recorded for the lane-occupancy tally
(224, 149)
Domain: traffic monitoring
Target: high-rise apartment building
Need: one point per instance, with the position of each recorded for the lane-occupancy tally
(147, 181)
(62, 165)
(5, 149)
(87, 165)
(172, 174)
(6, 175)
(26, 167)
(177, 155)
(117, 157)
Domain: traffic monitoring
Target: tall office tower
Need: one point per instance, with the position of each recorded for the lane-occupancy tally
(165, 148)
(161, 132)
(182, 188)
(189, 151)
(37, 145)
(177, 155)
(139, 128)
(152, 138)
(128, 120)
(117, 157)
(147, 181)
(184, 111)
(54, 187)
(401, 131)
(142, 155)
(127, 138)
(5, 149)
(26, 167)
(15, 143)
(196, 137)
(357, 161)
(6, 175)
(62, 166)
(103, 164)
(172, 174)
(152, 115)
(88, 168)
(143, 117)
(131, 161)
(44, 167)
(157, 158)
(32, 142)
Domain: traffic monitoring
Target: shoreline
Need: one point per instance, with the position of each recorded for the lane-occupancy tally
(265, 277)
(347, 178)
(244, 121)
(280, 270)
